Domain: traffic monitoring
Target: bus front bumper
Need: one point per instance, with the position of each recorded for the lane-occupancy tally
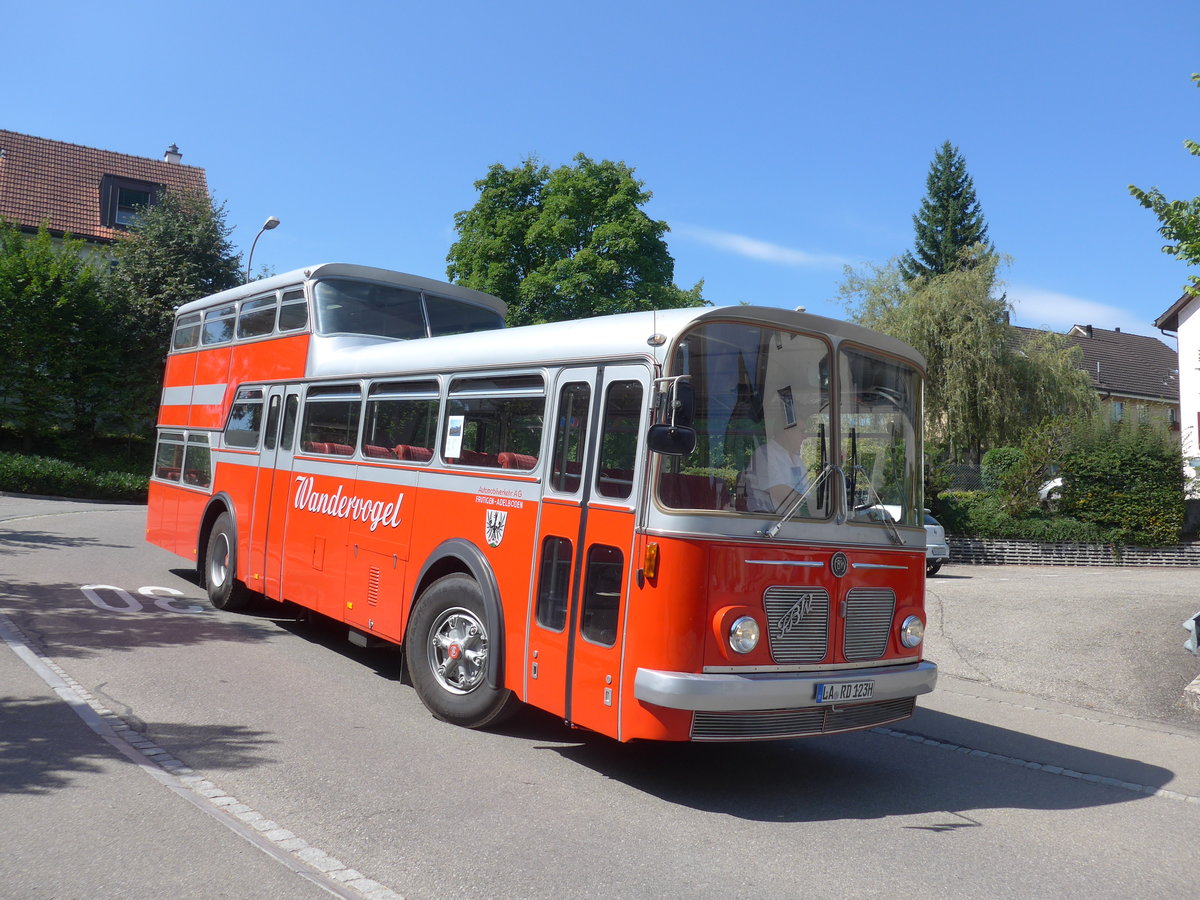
(733, 692)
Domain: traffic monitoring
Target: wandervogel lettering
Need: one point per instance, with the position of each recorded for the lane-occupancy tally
(357, 509)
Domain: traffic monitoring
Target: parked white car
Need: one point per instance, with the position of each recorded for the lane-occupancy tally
(937, 551)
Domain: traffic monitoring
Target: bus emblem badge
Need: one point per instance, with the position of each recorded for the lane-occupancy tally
(494, 526)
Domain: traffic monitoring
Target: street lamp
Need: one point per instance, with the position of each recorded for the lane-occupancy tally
(271, 222)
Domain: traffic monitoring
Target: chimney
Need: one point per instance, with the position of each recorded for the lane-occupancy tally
(1089, 330)
(1117, 329)
(172, 155)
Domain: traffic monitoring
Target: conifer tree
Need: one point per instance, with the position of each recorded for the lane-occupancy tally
(949, 223)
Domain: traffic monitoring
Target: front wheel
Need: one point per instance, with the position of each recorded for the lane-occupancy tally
(447, 647)
(220, 567)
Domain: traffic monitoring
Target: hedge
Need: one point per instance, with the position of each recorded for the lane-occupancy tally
(57, 478)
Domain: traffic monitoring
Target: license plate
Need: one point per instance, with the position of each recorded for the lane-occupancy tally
(845, 691)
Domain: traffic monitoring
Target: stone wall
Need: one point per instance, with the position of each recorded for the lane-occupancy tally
(988, 552)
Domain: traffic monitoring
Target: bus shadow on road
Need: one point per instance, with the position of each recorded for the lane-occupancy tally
(871, 775)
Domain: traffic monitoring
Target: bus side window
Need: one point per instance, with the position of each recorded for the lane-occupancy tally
(293, 313)
(619, 439)
(168, 459)
(272, 424)
(187, 332)
(257, 317)
(602, 594)
(218, 325)
(197, 461)
(554, 583)
(245, 419)
(290, 408)
(495, 423)
(401, 421)
(570, 437)
(331, 416)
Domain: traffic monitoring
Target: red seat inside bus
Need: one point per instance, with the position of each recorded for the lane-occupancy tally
(416, 454)
(474, 458)
(510, 460)
(693, 491)
(378, 452)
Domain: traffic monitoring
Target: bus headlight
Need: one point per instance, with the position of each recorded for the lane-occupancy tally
(912, 632)
(744, 634)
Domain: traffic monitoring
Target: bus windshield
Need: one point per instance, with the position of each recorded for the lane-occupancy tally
(879, 427)
(766, 441)
(351, 306)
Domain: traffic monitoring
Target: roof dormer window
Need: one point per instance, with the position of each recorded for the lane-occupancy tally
(123, 199)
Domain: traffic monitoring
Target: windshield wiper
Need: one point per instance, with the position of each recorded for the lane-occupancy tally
(797, 503)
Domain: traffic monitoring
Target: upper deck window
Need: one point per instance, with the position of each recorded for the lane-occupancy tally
(257, 317)
(361, 307)
(187, 332)
(218, 325)
(448, 316)
(347, 306)
(293, 311)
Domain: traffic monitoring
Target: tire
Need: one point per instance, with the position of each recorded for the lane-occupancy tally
(446, 649)
(932, 567)
(220, 567)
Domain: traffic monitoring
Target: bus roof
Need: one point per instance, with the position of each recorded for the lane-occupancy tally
(346, 270)
(580, 341)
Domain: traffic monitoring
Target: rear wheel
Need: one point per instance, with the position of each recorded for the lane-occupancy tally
(220, 567)
(447, 648)
(931, 567)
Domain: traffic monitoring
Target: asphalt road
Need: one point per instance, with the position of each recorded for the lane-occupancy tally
(1051, 761)
(1109, 639)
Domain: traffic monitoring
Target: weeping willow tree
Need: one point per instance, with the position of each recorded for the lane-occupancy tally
(984, 386)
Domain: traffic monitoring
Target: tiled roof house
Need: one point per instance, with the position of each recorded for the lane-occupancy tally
(1135, 376)
(89, 193)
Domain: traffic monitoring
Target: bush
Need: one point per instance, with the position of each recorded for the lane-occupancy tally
(1127, 480)
(982, 514)
(58, 478)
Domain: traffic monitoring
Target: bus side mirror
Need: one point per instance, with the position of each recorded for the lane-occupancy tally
(684, 397)
(671, 440)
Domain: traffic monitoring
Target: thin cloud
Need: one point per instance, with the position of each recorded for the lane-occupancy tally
(764, 251)
(1039, 308)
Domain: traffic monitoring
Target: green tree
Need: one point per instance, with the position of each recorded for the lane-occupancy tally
(178, 250)
(982, 389)
(1180, 219)
(949, 226)
(57, 346)
(566, 243)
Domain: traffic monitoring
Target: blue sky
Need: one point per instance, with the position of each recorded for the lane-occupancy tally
(781, 141)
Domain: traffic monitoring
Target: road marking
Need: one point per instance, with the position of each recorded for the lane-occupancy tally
(1049, 768)
(280, 844)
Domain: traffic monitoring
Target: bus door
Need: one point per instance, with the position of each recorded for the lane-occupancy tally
(585, 545)
(273, 490)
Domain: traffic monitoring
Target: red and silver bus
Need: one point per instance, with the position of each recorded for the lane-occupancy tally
(699, 524)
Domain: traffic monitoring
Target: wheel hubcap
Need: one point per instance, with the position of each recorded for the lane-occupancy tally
(218, 565)
(458, 648)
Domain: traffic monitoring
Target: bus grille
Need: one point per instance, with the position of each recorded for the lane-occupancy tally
(797, 623)
(791, 723)
(869, 614)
